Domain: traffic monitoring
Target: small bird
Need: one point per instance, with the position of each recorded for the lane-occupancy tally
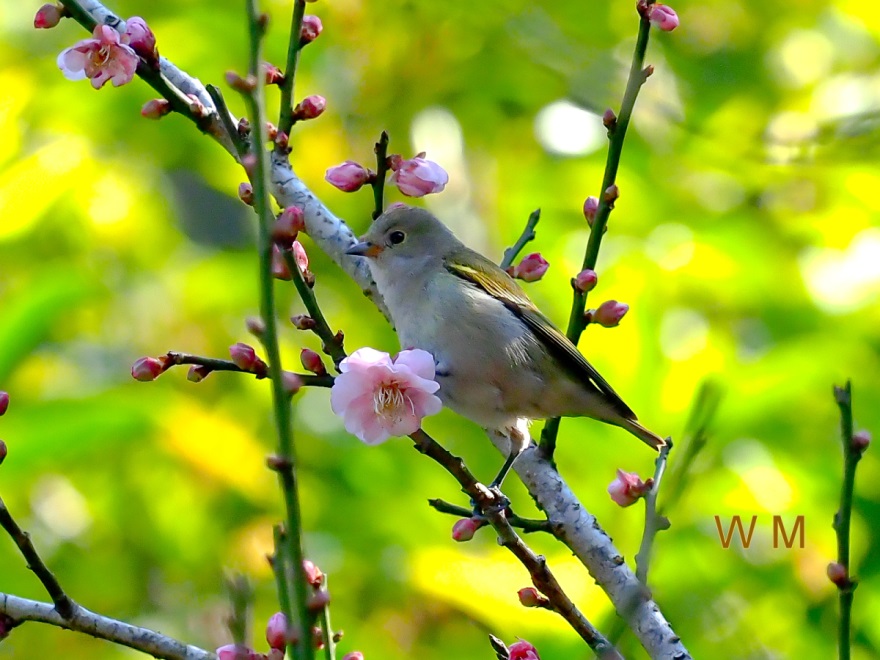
(499, 361)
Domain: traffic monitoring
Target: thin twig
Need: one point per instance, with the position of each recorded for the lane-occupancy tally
(528, 234)
(654, 522)
(576, 320)
(63, 603)
(294, 46)
(84, 621)
(493, 506)
(527, 525)
(286, 450)
(327, 628)
(216, 364)
(851, 455)
(282, 579)
(378, 182)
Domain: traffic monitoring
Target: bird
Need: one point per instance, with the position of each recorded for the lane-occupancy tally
(499, 361)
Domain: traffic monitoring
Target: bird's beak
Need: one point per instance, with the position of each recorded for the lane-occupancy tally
(364, 249)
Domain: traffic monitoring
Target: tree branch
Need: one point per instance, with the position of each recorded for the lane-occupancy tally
(528, 234)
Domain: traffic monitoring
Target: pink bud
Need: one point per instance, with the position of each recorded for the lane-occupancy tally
(255, 326)
(243, 356)
(522, 650)
(464, 529)
(140, 37)
(292, 383)
(417, 176)
(837, 574)
(246, 193)
(236, 652)
(318, 600)
(311, 29)
(585, 280)
(860, 439)
(302, 259)
(310, 107)
(196, 106)
(348, 177)
(273, 74)
(197, 373)
(146, 369)
(354, 655)
(609, 119)
(627, 488)
(591, 205)
(529, 597)
(276, 631)
(4, 402)
(156, 109)
(611, 195)
(314, 576)
(280, 271)
(3, 452)
(531, 268)
(663, 17)
(48, 16)
(311, 361)
(318, 637)
(289, 223)
(609, 313)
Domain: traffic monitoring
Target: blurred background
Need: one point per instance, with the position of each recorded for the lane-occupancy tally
(746, 240)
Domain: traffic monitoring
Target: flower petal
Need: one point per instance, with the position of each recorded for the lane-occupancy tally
(365, 357)
(420, 362)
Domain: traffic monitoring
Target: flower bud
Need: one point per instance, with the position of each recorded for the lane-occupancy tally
(292, 383)
(522, 650)
(318, 600)
(585, 281)
(314, 576)
(303, 322)
(609, 119)
(271, 131)
(156, 109)
(4, 402)
(289, 223)
(309, 108)
(354, 655)
(609, 313)
(196, 106)
(273, 74)
(280, 271)
(48, 16)
(302, 259)
(3, 451)
(256, 326)
(243, 356)
(860, 439)
(282, 142)
(146, 369)
(276, 631)
(627, 488)
(318, 637)
(236, 652)
(663, 17)
(611, 195)
(141, 39)
(531, 268)
(591, 205)
(464, 529)
(348, 177)
(197, 373)
(417, 176)
(311, 29)
(837, 574)
(529, 597)
(311, 361)
(246, 193)
(244, 85)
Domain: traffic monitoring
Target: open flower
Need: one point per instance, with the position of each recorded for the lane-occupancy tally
(99, 59)
(418, 176)
(627, 488)
(378, 398)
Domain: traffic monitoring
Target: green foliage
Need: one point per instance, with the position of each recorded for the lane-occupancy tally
(745, 239)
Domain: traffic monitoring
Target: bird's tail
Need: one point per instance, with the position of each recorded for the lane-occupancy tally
(648, 437)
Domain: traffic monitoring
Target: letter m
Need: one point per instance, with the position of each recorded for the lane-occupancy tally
(797, 529)
(736, 521)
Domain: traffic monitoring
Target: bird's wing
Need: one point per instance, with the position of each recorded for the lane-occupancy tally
(495, 282)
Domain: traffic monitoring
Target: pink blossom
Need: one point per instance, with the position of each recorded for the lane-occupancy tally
(156, 108)
(100, 59)
(379, 398)
(146, 369)
(591, 205)
(585, 281)
(531, 268)
(310, 107)
(4, 402)
(48, 16)
(311, 28)
(348, 177)
(418, 176)
(522, 650)
(609, 313)
(276, 631)
(140, 37)
(464, 529)
(627, 488)
(663, 17)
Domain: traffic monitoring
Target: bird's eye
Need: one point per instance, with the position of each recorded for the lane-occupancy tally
(396, 237)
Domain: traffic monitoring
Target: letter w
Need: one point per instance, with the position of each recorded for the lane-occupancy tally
(736, 521)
